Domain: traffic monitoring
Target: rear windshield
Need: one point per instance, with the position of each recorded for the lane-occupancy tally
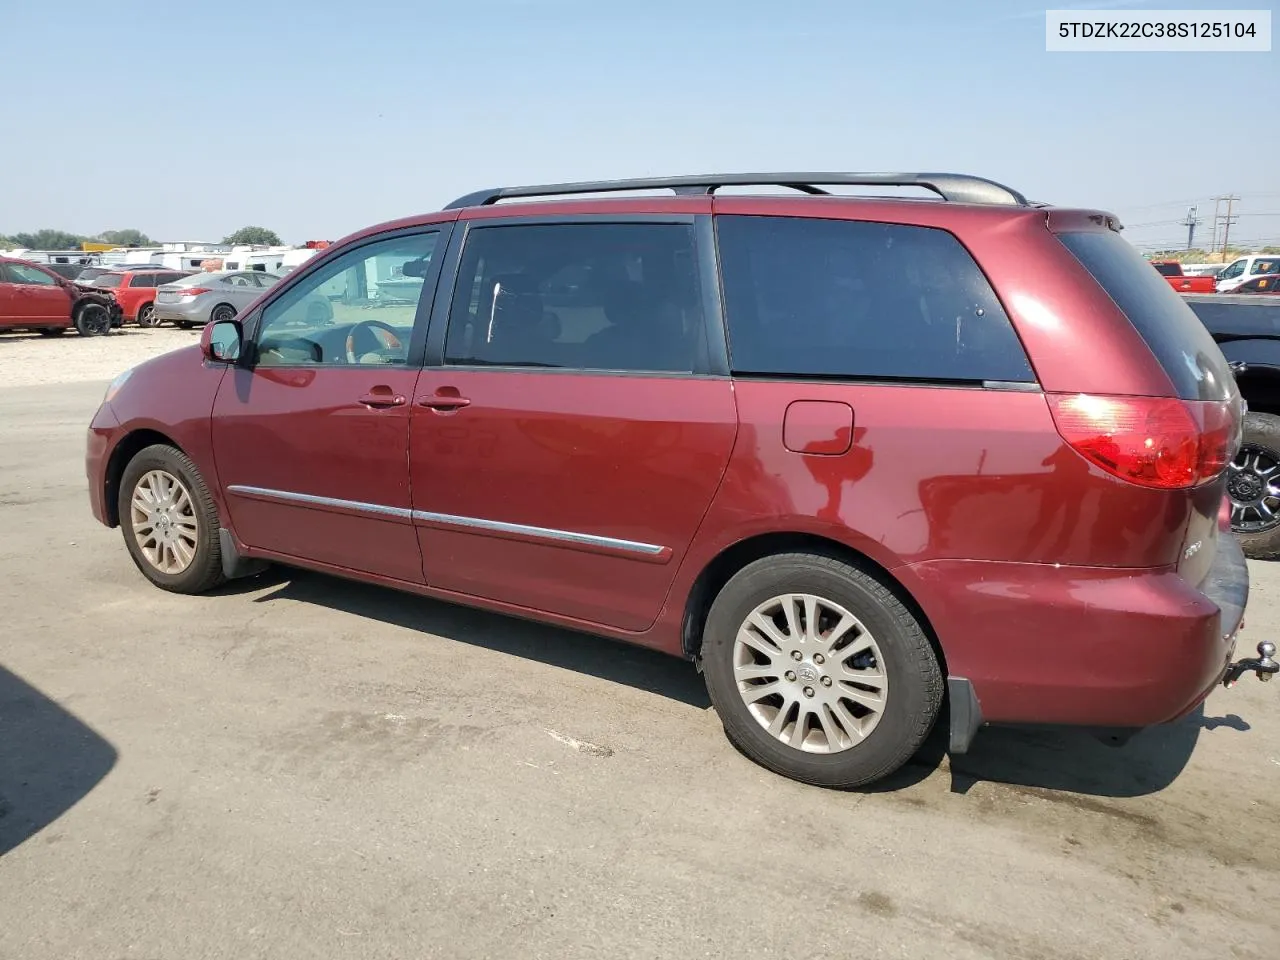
(192, 280)
(1168, 269)
(1178, 339)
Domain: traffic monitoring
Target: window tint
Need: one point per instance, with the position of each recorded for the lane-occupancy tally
(241, 280)
(143, 280)
(1234, 270)
(1265, 266)
(602, 296)
(27, 274)
(842, 298)
(1178, 339)
(1168, 269)
(359, 308)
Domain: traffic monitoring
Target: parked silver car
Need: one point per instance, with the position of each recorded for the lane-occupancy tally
(209, 297)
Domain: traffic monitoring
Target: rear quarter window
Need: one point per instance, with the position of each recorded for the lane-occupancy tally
(855, 300)
(1176, 337)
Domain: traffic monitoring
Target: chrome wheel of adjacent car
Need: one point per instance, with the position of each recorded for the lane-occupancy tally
(164, 522)
(810, 673)
(1253, 483)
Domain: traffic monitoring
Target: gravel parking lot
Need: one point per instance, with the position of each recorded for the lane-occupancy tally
(301, 767)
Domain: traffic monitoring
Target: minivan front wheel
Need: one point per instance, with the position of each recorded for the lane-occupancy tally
(170, 522)
(819, 672)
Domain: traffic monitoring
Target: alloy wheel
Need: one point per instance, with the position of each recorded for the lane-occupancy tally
(810, 673)
(164, 522)
(1253, 484)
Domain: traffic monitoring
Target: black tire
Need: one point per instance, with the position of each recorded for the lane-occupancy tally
(93, 320)
(205, 569)
(52, 331)
(223, 311)
(1259, 540)
(147, 315)
(910, 665)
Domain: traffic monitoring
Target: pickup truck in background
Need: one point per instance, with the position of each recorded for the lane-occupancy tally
(1171, 270)
(1246, 327)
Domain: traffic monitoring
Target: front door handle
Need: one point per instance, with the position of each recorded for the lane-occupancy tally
(380, 398)
(438, 402)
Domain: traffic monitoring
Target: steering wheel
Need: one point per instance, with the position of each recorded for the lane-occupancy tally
(382, 332)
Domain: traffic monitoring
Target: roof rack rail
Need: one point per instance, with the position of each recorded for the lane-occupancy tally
(953, 187)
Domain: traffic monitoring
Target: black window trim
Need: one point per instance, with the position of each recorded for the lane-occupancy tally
(717, 365)
(1013, 386)
(251, 322)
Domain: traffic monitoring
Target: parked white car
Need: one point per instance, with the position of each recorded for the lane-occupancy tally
(1246, 268)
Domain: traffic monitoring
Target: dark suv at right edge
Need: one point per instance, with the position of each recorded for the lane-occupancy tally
(853, 456)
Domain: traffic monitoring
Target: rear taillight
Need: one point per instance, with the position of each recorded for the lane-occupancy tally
(193, 291)
(1151, 441)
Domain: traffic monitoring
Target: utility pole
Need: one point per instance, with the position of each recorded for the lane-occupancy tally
(1190, 223)
(1226, 228)
(1213, 233)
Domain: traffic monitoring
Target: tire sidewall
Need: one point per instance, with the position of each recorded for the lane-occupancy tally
(221, 313)
(909, 663)
(96, 329)
(207, 554)
(1262, 430)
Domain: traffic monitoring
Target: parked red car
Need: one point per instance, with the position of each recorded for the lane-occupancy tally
(1171, 270)
(1267, 283)
(853, 456)
(135, 289)
(33, 297)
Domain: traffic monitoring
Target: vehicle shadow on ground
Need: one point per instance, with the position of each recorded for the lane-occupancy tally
(1068, 760)
(632, 666)
(1040, 758)
(49, 761)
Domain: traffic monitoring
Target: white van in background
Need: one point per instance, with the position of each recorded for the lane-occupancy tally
(1246, 268)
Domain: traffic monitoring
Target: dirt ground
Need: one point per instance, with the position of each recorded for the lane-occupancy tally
(27, 359)
(299, 767)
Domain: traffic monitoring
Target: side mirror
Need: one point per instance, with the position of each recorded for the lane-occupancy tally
(220, 342)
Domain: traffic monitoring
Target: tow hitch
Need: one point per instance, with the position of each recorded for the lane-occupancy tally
(1263, 665)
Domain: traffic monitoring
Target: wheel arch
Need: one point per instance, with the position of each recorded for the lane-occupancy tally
(1260, 387)
(128, 448)
(721, 569)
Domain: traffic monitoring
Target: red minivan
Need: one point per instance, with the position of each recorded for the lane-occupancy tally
(858, 458)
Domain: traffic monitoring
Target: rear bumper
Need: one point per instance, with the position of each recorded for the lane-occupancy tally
(1085, 646)
(196, 311)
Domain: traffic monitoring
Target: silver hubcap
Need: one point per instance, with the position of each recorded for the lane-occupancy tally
(810, 673)
(164, 522)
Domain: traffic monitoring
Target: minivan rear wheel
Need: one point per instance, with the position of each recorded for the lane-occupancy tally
(1253, 485)
(818, 671)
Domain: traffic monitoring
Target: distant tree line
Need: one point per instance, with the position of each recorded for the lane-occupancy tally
(62, 240)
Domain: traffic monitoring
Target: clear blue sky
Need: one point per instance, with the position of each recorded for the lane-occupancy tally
(316, 118)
